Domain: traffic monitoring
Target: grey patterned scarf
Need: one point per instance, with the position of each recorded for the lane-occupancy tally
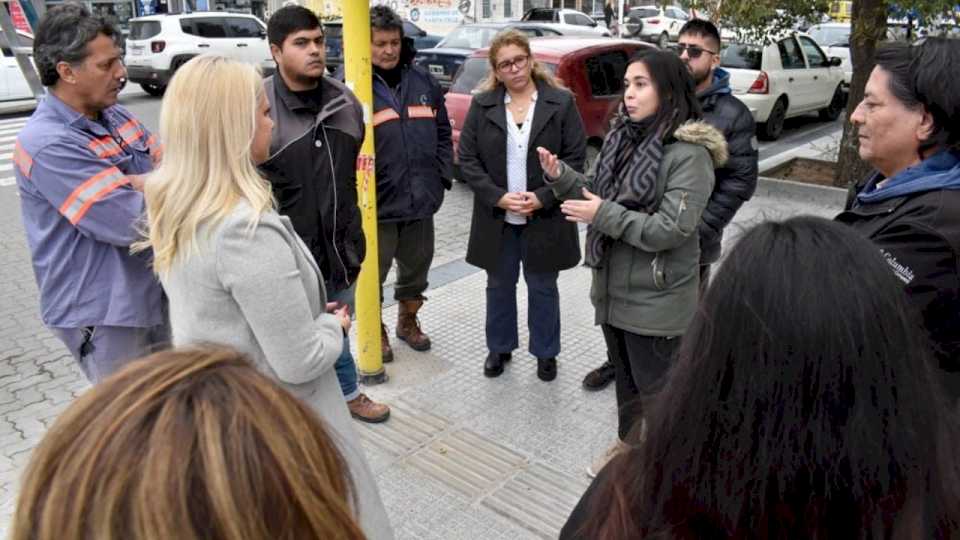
(626, 173)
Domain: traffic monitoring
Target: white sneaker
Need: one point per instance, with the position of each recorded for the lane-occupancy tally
(605, 458)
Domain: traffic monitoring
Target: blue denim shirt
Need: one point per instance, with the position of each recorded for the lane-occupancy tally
(80, 215)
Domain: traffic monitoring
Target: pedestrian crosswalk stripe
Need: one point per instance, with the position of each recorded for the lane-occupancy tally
(11, 122)
(9, 181)
(11, 130)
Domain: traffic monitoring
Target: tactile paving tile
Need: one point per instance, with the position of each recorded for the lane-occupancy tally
(538, 498)
(467, 462)
(408, 430)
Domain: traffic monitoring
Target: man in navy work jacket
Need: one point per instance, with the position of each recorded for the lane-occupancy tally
(78, 164)
(414, 165)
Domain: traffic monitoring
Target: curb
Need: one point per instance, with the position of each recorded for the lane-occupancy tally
(797, 191)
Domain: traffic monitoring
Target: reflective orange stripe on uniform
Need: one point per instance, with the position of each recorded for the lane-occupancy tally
(386, 115)
(90, 191)
(105, 147)
(156, 149)
(420, 111)
(22, 160)
(130, 131)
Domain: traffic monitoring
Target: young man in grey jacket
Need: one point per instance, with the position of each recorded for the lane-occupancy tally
(318, 130)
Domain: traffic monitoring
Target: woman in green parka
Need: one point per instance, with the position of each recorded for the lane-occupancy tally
(642, 202)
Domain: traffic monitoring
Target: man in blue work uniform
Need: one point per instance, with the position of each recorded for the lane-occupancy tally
(414, 165)
(79, 163)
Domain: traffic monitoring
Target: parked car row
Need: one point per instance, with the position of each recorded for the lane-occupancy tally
(786, 76)
(159, 44)
(445, 59)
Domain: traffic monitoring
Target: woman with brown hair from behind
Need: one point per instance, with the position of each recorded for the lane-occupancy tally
(187, 444)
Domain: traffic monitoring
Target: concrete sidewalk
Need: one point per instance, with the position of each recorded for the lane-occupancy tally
(462, 456)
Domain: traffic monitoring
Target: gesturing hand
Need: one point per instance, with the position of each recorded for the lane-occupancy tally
(550, 163)
(582, 211)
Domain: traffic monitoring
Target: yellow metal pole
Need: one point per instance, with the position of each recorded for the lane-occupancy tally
(359, 77)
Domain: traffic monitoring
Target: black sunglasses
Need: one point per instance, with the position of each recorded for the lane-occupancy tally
(693, 51)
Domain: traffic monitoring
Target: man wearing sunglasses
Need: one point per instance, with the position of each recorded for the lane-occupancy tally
(699, 49)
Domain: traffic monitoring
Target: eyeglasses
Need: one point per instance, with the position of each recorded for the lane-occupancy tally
(519, 62)
(693, 51)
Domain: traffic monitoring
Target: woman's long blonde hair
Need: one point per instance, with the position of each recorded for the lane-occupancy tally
(207, 124)
(190, 444)
(512, 36)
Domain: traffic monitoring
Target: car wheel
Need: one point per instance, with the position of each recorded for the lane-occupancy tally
(663, 41)
(155, 90)
(773, 127)
(833, 111)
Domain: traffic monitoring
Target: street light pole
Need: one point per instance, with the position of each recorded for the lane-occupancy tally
(358, 73)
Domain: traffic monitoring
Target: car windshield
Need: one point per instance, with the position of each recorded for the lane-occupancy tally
(332, 31)
(474, 70)
(539, 15)
(144, 29)
(831, 36)
(741, 56)
(469, 37)
(644, 13)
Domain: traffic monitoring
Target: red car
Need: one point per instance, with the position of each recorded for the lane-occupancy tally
(592, 68)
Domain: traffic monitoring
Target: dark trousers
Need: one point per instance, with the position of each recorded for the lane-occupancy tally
(640, 363)
(411, 244)
(543, 302)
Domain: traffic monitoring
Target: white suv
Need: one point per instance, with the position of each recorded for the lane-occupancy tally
(159, 44)
(568, 22)
(655, 24)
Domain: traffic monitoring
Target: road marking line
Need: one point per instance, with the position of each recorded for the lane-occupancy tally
(14, 122)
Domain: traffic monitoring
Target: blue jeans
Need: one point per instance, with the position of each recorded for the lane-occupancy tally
(543, 302)
(345, 366)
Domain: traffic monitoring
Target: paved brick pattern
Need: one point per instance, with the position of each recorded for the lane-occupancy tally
(553, 429)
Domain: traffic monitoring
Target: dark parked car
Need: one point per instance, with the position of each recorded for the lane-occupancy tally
(333, 36)
(445, 59)
(592, 68)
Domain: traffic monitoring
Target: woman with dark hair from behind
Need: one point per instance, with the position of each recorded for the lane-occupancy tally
(191, 444)
(908, 128)
(643, 201)
(801, 406)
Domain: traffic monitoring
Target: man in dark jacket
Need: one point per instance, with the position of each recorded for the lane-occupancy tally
(699, 48)
(414, 166)
(318, 129)
(908, 128)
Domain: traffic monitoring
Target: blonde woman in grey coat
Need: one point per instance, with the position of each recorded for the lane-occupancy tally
(235, 271)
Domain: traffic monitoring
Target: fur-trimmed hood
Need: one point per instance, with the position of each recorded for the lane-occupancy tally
(702, 133)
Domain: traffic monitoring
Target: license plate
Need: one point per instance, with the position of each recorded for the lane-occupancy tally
(136, 52)
(436, 70)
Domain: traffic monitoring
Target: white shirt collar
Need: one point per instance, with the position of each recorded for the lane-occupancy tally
(507, 99)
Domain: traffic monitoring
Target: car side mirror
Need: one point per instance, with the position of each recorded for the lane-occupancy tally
(263, 34)
(835, 61)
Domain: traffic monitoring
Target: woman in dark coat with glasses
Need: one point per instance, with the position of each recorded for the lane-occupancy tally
(516, 218)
